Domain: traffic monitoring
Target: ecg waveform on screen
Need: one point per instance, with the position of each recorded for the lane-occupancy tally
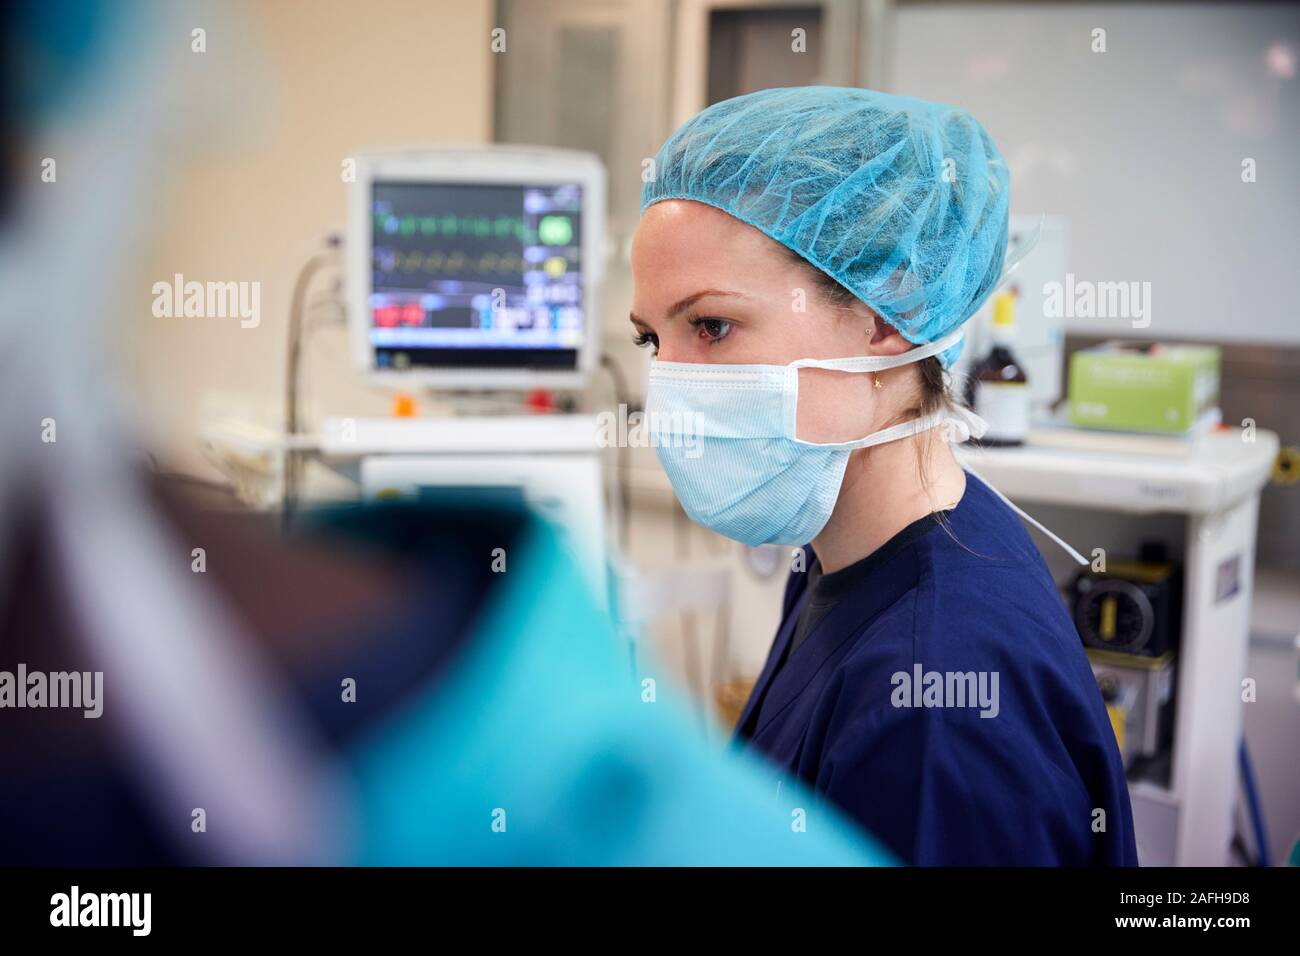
(455, 262)
(449, 225)
(475, 267)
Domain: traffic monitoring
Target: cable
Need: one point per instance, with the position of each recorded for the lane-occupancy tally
(621, 401)
(1252, 802)
(694, 671)
(293, 459)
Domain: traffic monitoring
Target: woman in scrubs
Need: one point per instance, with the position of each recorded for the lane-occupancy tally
(803, 267)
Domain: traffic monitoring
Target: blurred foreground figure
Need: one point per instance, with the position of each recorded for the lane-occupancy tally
(368, 692)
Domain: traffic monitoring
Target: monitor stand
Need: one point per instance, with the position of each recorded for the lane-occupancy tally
(552, 461)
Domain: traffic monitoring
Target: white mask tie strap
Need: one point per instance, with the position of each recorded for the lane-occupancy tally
(879, 363)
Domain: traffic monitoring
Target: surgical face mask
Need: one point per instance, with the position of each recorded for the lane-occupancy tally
(725, 434)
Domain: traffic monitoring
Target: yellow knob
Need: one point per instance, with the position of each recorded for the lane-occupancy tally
(1286, 466)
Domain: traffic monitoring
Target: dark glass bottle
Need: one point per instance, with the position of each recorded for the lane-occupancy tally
(997, 388)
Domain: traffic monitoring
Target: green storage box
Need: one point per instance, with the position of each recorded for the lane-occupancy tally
(1161, 388)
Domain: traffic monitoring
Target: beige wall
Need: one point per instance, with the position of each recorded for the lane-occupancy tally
(316, 81)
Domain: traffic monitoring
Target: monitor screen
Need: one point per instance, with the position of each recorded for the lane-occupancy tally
(468, 275)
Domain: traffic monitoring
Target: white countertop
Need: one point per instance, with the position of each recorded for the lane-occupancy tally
(1222, 469)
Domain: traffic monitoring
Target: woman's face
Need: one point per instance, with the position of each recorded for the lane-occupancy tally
(711, 289)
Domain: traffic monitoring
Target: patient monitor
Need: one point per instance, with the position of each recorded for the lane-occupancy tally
(479, 269)
(476, 267)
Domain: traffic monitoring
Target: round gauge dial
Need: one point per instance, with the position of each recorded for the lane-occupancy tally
(1113, 614)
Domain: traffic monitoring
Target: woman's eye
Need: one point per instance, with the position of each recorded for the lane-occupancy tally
(642, 339)
(712, 331)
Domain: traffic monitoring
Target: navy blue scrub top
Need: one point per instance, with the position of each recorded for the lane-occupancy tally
(880, 708)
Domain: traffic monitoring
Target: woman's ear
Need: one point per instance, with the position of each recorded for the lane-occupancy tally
(885, 339)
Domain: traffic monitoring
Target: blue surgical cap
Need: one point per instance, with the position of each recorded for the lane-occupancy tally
(901, 201)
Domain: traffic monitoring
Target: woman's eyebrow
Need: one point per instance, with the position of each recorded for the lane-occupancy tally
(685, 304)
